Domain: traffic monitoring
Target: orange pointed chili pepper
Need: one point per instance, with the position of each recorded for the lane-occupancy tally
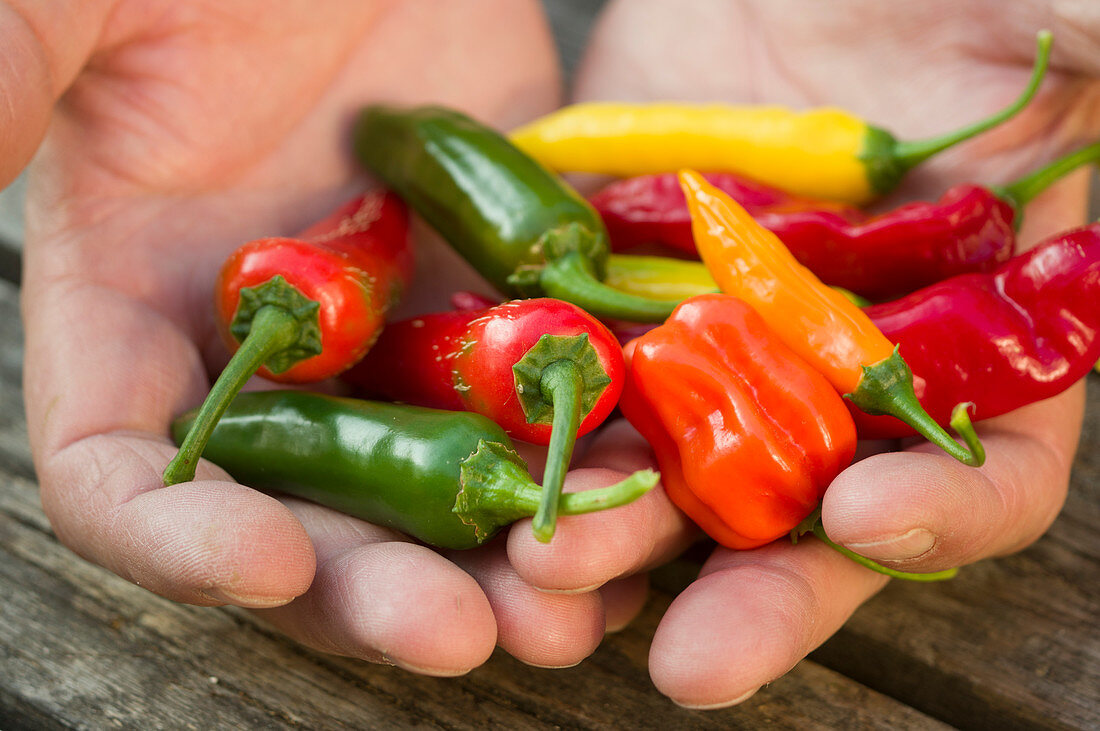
(815, 321)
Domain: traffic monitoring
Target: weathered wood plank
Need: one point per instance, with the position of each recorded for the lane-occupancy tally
(81, 648)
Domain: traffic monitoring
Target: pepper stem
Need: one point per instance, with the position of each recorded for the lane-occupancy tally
(497, 491)
(1021, 192)
(621, 493)
(273, 330)
(908, 154)
(887, 388)
(813, 524)
(561, 386)
(570, 278)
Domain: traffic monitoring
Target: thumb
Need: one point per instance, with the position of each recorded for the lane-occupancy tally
(43, 46)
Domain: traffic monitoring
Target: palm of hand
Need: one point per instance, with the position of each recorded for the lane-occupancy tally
(915, 509)
(192, 129)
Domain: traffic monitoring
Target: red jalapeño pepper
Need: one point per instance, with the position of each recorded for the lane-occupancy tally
(823, 326)
(970, 228)
(1023, 333)
(302, 309)
(746, 433)
(543, 369)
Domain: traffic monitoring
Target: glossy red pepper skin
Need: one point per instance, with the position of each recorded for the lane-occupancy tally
(413, 361)
(462, 360)
(968, 229)
(746, 433)
(543, 369)
(1023, 333)
(355, 263)
(298, 310)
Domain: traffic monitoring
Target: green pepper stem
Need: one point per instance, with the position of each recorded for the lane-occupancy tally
(496, 490)
(1023, 190)
(570, 278)
(887, 388)
(621, 493)
(273, 330)
(908, 154)
(812, 524)
(819, 532)
(561, 386)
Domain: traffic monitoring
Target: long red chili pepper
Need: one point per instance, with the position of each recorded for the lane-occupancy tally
(303, 309)
(544, 369)
(970, 228)
(1023, 333)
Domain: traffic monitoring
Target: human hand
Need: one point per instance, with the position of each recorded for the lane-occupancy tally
(179, 132)
(751, 615)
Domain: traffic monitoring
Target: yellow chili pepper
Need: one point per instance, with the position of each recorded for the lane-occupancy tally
(817, 322)
(658, 277)
(823, 153)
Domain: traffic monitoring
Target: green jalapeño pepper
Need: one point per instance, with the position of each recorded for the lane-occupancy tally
(449, 479)
(521, 226)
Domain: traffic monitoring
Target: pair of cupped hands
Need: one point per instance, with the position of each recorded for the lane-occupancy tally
(165, 134)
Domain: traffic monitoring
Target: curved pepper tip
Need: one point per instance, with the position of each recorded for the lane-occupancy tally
(886, 387)
(960, 422)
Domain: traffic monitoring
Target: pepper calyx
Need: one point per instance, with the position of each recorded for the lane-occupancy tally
(495, 489)
(886, 388)
(277, 292)
(884, 170)
(554, 244)
(527, 372)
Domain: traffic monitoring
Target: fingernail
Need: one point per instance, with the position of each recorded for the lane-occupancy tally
(222, 596)
(425, 670)
(909, 545)
(723, 704)
(579, 590)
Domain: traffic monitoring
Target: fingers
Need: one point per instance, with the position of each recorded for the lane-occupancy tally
(44, 45)
(382, 598)
(379, 597)
(539, 628)
(919, 510)
(623, 600)
(750, 617)
(589, 550)
(204, 542)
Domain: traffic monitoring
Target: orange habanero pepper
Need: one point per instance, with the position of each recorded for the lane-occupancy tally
(746, 433)
(820, 324)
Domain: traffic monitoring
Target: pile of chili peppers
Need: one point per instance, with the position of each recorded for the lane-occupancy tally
(751, 373)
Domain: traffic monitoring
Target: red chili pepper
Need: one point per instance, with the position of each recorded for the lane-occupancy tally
(543, 369)
(298, 310)
(1024, 333)
(746, 433)
(969, 229)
